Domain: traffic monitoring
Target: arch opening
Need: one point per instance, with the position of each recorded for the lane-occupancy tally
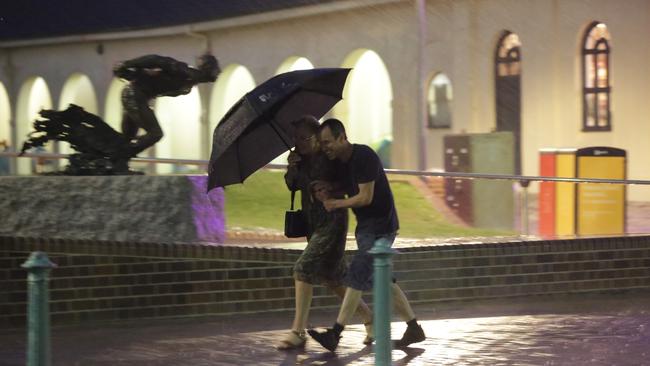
(366, 109)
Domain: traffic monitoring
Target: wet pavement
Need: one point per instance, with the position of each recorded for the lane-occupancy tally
(595, 329)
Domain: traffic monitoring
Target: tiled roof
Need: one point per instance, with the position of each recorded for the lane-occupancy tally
(29, 19)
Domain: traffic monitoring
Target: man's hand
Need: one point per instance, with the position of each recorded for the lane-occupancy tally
(331, 205)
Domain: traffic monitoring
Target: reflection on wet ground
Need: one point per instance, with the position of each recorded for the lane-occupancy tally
(609, 329)
(538, 340)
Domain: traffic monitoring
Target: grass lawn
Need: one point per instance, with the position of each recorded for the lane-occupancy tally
(261, 201)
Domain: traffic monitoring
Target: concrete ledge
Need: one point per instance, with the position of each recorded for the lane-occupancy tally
(138, 208)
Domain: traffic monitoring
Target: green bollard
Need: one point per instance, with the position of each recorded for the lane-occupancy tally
(38, 314)
(382, 300)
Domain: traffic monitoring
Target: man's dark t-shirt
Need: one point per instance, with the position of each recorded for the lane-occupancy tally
(364, 166)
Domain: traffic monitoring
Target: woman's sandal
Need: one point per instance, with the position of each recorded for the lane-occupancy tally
(292, 340)
(369, 334)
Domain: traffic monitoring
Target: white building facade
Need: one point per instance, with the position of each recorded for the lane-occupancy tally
(570, 73)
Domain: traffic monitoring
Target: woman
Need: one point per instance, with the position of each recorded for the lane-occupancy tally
(322, 262)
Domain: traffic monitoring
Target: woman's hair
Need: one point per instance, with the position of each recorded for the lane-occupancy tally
(307, 122)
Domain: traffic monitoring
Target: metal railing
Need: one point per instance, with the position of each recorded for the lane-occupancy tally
(417, 173)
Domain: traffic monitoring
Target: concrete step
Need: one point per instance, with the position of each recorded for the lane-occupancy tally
(147, 249)
(134, 267)
(16, 259)
(159, 282)
(193, 270)
(508, 250)
(171, 311)
(523, 260)
(528, 289)
(414, 283)
(126, 285)
(134, 279)
(505, 269)
(82, 293)
(141, 298)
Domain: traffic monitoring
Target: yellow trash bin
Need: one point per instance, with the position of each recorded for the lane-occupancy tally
(600, 208)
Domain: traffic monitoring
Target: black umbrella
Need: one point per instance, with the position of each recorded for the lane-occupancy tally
(258, 127)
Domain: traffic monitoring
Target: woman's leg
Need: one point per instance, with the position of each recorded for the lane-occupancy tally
(304, 293)
(296, 337)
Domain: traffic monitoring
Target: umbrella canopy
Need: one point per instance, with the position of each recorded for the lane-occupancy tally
(258, 127)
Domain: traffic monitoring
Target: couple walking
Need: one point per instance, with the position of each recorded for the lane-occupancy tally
(326, 167)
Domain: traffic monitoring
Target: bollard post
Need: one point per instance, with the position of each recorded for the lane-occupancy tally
(524, 205)
(38, 266)
(382, 300)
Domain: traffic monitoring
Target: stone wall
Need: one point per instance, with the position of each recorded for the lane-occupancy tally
(133, 208)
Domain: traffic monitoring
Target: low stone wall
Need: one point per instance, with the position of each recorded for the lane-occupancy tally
(135, 208)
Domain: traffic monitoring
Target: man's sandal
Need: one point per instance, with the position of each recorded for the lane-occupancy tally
(369, 334)
(292, 340)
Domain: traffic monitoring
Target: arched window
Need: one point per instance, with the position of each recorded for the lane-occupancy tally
(595, 76)
(509, 55)
(5, 116)
(507, 75)
(233, 83)
(366, 109)
(294, 63)
(438, 102)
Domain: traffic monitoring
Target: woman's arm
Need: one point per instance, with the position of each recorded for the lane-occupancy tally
(292, 176)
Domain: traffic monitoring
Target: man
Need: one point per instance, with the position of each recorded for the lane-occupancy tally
(371, 200)
(153, 76)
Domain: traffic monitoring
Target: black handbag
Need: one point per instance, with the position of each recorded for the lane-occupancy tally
(295, 223)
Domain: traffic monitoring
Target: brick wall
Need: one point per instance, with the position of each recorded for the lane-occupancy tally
(101, 281)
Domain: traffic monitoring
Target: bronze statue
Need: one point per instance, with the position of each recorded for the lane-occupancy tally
(101, 149)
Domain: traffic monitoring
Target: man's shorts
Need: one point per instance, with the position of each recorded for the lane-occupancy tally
(359, 274)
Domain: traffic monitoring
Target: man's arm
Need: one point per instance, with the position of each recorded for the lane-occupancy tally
(363, 198)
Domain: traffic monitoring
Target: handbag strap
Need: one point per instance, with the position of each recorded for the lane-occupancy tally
(293, 195)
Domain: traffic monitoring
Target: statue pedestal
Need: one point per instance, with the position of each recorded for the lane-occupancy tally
(130, 208)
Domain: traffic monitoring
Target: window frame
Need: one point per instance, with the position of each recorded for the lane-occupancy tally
(512, 60)
(596, 90)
